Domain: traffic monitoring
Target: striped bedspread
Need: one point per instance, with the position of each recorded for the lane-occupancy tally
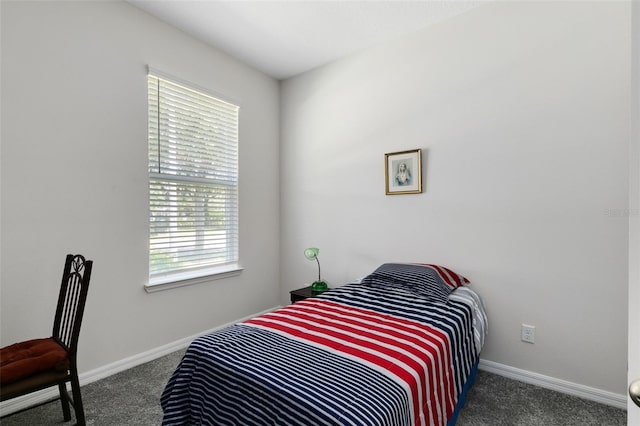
(357, 355)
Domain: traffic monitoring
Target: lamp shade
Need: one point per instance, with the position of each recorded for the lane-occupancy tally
(311, 253)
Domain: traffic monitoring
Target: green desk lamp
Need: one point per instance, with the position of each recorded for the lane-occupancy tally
(318, 286)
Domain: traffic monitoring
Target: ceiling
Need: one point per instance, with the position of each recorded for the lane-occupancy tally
(286, 38)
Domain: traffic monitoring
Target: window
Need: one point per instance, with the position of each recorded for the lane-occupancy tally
(193, 183)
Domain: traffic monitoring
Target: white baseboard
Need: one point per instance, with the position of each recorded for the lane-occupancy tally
(570, 388)
(46, 395)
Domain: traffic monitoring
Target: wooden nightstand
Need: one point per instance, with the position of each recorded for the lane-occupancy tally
(301, 294)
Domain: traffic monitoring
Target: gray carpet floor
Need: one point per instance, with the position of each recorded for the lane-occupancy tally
(132, 398)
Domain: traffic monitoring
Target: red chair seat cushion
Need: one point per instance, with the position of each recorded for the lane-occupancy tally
(30, 357)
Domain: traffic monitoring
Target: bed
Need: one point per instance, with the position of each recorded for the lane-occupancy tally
(400, 347)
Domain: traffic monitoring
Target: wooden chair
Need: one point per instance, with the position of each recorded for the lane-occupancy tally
(37, 364)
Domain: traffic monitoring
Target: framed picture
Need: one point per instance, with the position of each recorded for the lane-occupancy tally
(403, 172)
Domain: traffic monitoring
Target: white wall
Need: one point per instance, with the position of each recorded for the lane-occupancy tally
(74, 176)
(522, 112)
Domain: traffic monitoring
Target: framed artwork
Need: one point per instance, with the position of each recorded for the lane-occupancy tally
(403, 172)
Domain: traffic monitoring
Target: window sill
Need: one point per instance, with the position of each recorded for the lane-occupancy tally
(190, 278)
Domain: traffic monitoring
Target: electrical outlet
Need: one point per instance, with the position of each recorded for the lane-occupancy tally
(528, 333)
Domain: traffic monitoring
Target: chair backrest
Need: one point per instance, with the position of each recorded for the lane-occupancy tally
(71, 301)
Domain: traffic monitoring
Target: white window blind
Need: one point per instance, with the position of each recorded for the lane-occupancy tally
(193, 181)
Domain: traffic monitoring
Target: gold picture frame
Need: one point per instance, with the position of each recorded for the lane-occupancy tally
(403, 172)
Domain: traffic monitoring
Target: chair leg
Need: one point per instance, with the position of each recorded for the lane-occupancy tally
(64, 400)
(77, 400)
